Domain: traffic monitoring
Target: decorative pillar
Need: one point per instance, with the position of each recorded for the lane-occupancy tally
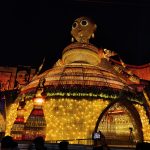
(18, 126)
(36, 123)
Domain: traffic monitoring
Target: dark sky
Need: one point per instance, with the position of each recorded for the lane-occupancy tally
(32, 30)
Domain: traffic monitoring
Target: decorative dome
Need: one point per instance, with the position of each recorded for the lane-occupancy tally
(80, 70)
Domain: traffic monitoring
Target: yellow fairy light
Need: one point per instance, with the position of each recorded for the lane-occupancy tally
(145, 122)
(11, 115)
(69, 118)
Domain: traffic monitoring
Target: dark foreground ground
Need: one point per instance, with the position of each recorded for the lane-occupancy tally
(55, 146)
(24, 145)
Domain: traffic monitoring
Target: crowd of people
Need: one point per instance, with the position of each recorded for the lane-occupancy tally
(7, 143)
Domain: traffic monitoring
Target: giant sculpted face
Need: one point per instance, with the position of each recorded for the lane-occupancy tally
(83, 29)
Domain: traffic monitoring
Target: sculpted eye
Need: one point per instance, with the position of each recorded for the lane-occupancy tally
(84, 22)
(74, 25)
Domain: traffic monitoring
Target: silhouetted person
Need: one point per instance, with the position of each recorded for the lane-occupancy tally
(39, 143)
(97, 148)
(63, 145)
(96, 138)
(99, 138)
(101, 147)
(143, 146)
(7, 143)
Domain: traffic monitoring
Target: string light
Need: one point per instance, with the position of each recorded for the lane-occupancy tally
(145, 122)
(72, 118)
(66, 118)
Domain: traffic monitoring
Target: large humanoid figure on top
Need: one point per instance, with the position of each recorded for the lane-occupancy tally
(83, 29)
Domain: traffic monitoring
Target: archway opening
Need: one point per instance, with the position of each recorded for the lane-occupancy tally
(119, 125)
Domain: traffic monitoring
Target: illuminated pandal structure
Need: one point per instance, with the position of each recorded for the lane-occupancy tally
(82, 93)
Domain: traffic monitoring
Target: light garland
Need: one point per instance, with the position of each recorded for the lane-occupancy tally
(10, 117)
(72, 119)
(69, 118)
(66, 118)
(145, 122)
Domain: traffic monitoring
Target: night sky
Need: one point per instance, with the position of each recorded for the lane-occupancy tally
(32, 30)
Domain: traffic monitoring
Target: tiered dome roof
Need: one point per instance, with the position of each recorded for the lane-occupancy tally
(78, 71)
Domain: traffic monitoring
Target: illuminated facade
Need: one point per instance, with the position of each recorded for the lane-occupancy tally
(84, 92)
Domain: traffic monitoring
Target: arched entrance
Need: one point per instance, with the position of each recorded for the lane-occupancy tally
(120, 123)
